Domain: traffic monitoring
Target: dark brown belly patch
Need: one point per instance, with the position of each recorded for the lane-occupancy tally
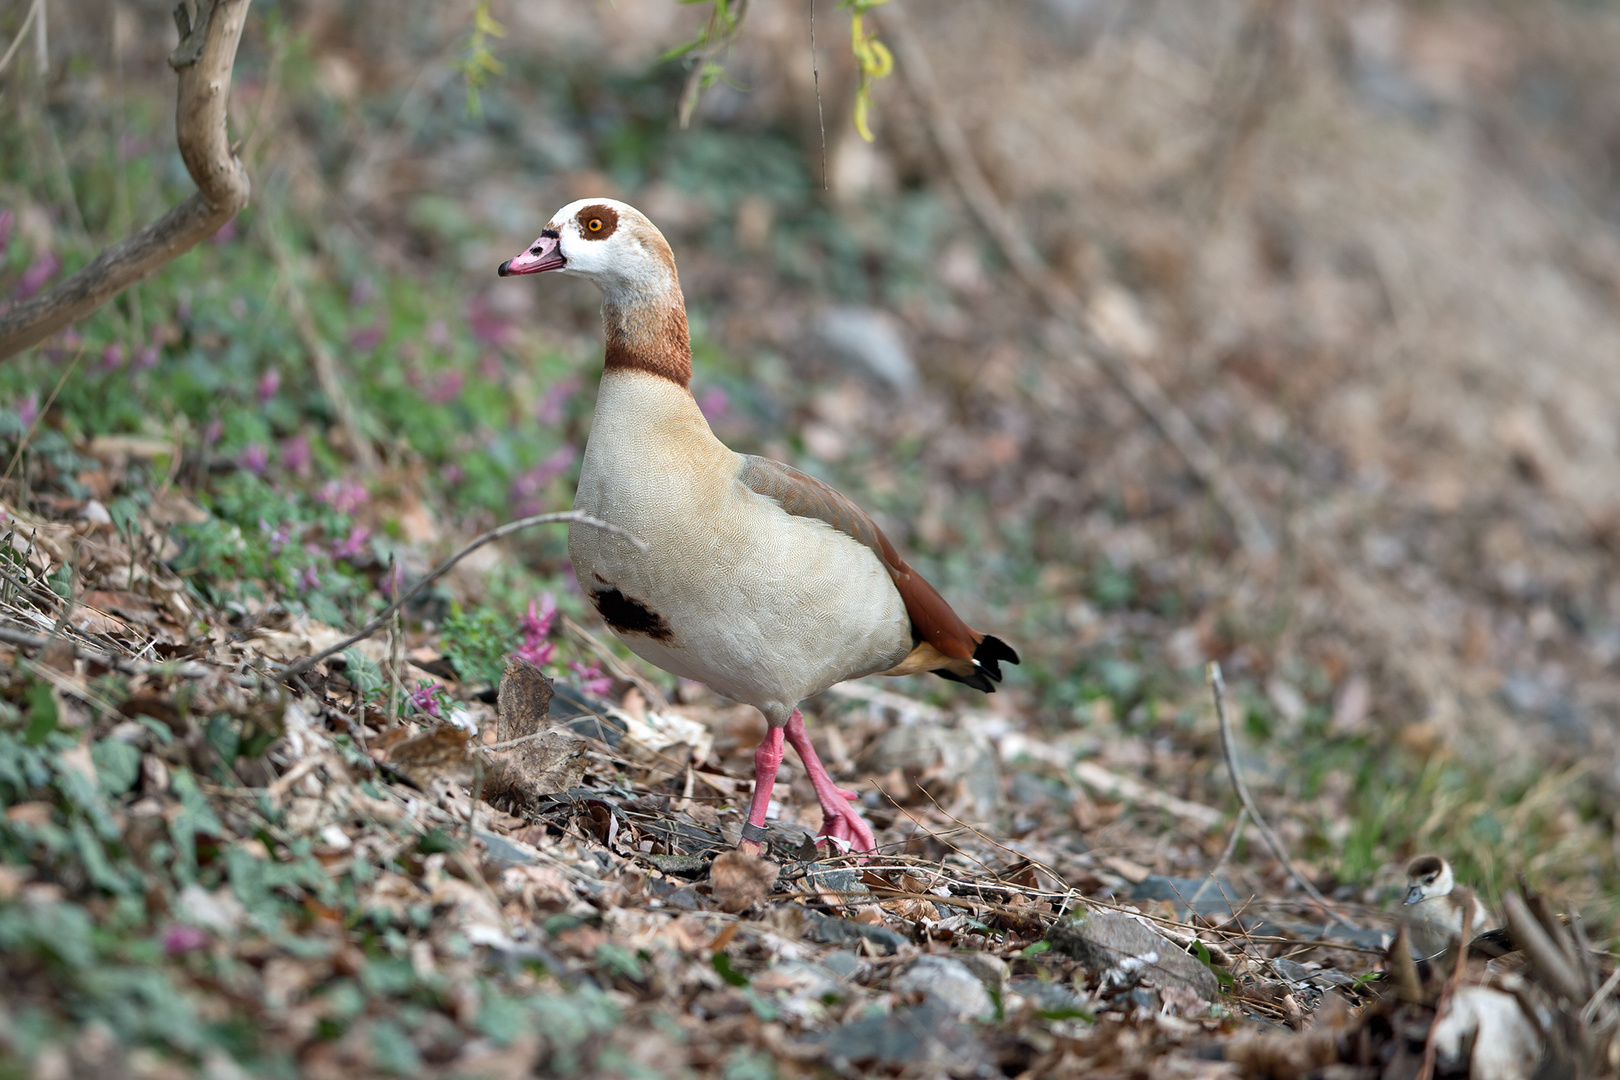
(628, 616)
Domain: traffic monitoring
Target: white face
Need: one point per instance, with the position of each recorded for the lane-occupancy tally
(608, 241)
(1427, 886)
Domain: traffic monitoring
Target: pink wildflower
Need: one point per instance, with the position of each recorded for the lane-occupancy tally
(550, 412)
(447, 389)
(715, 404)
(536, 627)
(309, 579)
(212, 432)
(344, 496)
(366, 338)
(112, 357)
(184, 938)
(226, 233)
(37, 274)
(425, 698)
(592, 680)
(437, 334)
(146, 358)
(452, 473)
(361, 292)
(255, 459)
(280, 536)
(28, 409)
(269, 385)
(295, 453)
(354, 547)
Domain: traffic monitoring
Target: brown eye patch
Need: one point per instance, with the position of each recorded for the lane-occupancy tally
(597, 222)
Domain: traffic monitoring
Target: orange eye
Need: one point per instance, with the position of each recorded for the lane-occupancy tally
(595, 224)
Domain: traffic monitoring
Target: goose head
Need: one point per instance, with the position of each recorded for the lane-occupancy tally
(610, 242)
(1427, 877)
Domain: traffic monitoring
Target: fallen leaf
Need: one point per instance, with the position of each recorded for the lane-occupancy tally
(523, 700)
(439, 754)
(740, 881)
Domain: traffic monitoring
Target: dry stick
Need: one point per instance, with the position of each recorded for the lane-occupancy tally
(1226, 855)
(815, 75)
(203, 59)
(1228, 747)
(1140, 387)
(1589, 1011)
(320, 357)
(572, 516)
(40, 416)
(28, 21)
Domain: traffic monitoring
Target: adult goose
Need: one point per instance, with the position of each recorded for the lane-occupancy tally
(759, 581)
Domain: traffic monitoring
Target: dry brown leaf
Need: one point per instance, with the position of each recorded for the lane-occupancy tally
(523, 700)
(439, 754)
(740, 881)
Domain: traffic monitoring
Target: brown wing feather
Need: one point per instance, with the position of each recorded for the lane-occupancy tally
(932, 619)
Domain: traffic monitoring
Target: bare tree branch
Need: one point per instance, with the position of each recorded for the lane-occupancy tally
(203, 59)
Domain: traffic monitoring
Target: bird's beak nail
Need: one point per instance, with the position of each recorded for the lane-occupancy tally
(1414, 895)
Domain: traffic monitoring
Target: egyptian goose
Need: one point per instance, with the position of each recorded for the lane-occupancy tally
(1435, 906)
(759, 581)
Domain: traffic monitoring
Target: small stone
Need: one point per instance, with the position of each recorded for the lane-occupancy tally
(988, 968)
(1103, 939)
(948, 983)
(832, 931)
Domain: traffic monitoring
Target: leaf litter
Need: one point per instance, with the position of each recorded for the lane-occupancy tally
(206, 864)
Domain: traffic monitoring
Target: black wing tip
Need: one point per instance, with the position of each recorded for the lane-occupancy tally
(987, 665)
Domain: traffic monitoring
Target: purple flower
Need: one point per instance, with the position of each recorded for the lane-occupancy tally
(280, 536)
(7, 219)
(437, 334)
(212, 432)
(345, 496)
(592, 680)
(452, 473)
(425, 698)
(529, 483)
(309, 579)
(184, 938)
(112, 357)
(66, 340)
(361, 292)
(489, 366)
(715, 404)
(295, 453)
(269, 385)
(536, 627)
(447, 389)
(366, 338)
(393, 583)
(37, 274)
(550, 412)
(487, 326)
(255, 459)
(352, 548)
(28, 409)
(146, 358)
(226, 233)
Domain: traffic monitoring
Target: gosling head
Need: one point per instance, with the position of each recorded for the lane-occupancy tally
(1427, 877)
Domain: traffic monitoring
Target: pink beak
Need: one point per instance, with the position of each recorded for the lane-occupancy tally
(544, 254)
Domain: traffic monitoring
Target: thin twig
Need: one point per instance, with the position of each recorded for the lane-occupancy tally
(815, 74)
(571, 516)
(43, 409)
(33, 12)
(1226, 855)
(1009, 234)
(1590, 1010)
(185, 669)
(1218, 684)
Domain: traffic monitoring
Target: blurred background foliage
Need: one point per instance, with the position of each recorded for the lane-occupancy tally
(1370, 247)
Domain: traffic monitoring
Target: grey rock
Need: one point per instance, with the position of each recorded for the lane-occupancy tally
(1211, 899)
(832, 931)
(1050, 997)
(1291, 970)
(843, 963)
(1104, 939)
(870, 340)
(988, 968)
(928, 1039)
(948, 983)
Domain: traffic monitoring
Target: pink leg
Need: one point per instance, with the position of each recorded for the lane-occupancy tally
(840, 823)
(767, 759)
